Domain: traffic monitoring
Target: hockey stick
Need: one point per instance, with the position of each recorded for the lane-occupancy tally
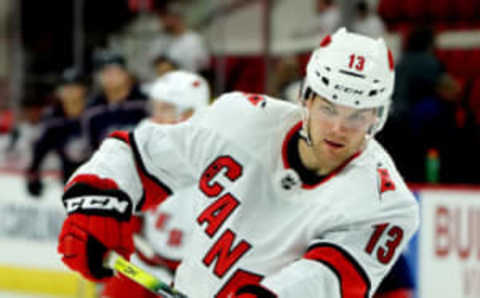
(117, 263)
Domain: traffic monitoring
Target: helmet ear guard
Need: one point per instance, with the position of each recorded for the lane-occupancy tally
(307, 94)
(304, 94)
(382, 115)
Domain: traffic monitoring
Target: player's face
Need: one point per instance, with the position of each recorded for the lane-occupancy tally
(72, 98)
(168, 113)
(337, 132)
(170, 22)
(164, 112)
(162, 67)
(114, 76)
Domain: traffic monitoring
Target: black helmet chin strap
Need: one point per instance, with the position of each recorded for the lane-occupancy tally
(305, 136)
(305, 131)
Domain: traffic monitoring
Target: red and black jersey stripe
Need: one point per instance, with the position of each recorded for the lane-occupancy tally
(154, 190)
(353, 280)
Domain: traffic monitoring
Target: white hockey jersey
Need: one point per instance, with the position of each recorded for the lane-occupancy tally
(255, 221)
(166, 231)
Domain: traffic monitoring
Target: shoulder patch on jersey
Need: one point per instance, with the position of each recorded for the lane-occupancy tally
(256, 99)
(386, 182)
(155, 191)
(120, 135)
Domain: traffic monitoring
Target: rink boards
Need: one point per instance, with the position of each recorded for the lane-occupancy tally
(29, 263)
(449, 242)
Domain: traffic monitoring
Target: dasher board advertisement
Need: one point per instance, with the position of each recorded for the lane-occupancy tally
(449, 256)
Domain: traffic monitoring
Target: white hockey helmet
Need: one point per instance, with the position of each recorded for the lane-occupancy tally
(186, 90)
(352, 70)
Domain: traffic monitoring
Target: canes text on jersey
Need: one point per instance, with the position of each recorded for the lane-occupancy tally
(215, 216)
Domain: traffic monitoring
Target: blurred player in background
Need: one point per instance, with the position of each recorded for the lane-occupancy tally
(16, 146)
(327, 20)
(164, 229)
(61, 130)
(120, 104)
(423, 111)
(184, 46)
(161, 62)
(290, 201)
(367, 22)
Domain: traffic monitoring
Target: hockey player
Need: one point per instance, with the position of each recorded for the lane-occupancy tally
(175, 96)
(186, 48)
(120, 104)
(164, 229)
(61, 131)
(290, 201)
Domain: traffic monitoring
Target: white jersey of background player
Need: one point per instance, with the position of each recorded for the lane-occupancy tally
(165, 228)
(174, 98)
(285, 207)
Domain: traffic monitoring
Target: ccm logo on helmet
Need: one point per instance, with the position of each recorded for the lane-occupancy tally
(348, 90)
(97, 205)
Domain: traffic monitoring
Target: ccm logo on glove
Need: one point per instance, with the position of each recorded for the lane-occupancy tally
(117, 207)
(98, 203)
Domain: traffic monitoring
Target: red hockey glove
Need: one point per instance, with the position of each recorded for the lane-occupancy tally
(254, 291)
(98, 221)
